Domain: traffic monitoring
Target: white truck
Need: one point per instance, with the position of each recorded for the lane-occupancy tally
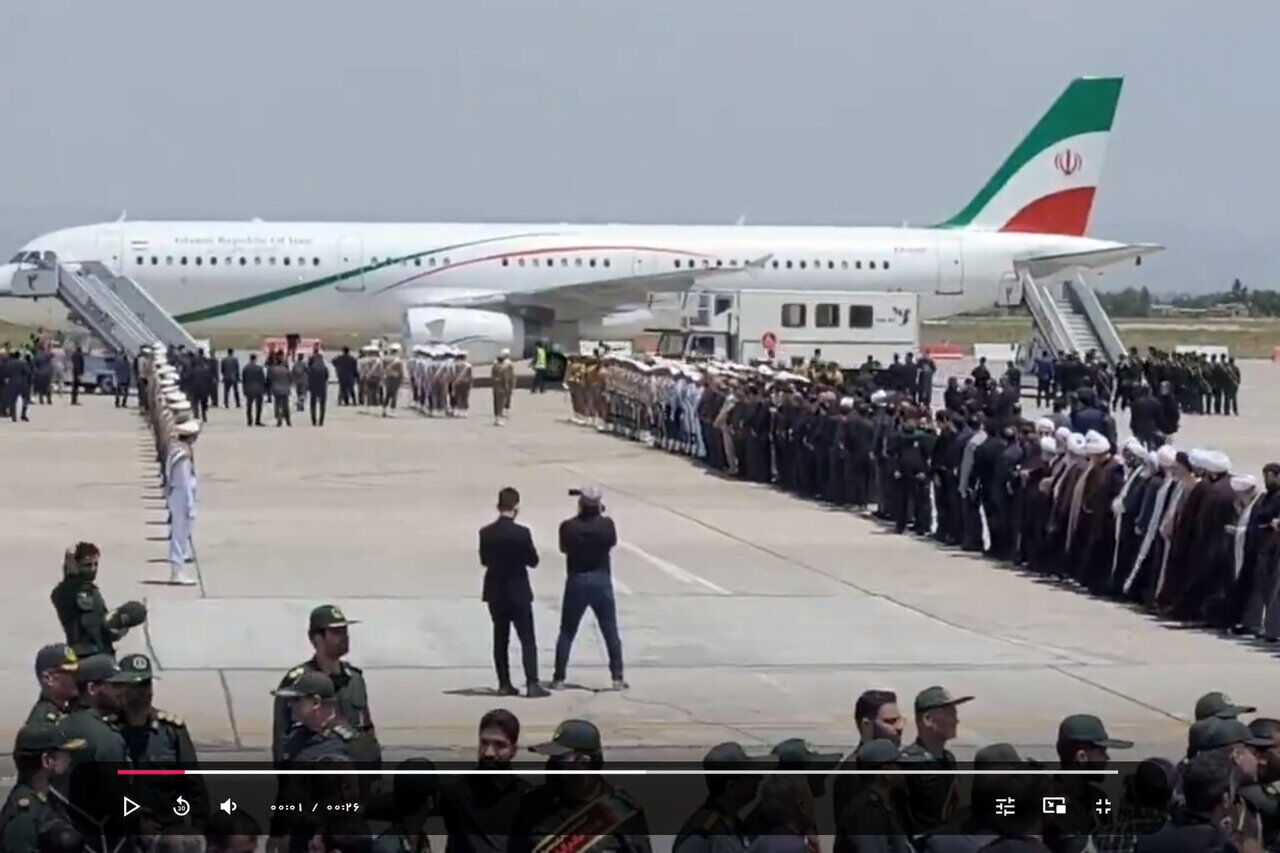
(845, 326)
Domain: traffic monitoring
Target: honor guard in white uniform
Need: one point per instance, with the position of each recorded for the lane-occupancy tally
(181, 498)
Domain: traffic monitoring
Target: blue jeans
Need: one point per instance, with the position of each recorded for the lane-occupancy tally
(593, 590)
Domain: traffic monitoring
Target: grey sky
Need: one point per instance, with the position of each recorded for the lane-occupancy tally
(663, 110)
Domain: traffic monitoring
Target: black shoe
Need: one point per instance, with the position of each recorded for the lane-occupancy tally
(507, 690)
(536, 691)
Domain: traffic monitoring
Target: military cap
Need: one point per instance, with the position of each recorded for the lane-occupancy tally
(329, 616)
(308, 684)
(937, 697)
(797, 753)
(56, 656)
(876, 753)
(1219, 704)
(1216, 732)
(133, 669)
(1088, 729)
(571, 736)
(44, 737)
(95, 668)
(128, 615)
(731, 756)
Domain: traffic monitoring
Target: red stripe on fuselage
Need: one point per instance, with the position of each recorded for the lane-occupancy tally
(1065, 212)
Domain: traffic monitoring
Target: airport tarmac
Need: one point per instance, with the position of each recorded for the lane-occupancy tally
(745, 614)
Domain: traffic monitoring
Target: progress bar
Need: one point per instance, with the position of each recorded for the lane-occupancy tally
(535, 771)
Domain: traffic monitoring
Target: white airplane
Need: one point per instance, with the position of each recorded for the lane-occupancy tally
(488, 286)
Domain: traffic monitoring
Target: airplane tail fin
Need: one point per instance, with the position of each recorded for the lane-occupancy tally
(1047, 184)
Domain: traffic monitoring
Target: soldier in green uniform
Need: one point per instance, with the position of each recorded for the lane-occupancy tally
(715, 827)
(930, 800)
(96, 791)
(56, 672)
(319, 735)
(40, 753)
(90, 628)
(571, 813)
(872, 819)
(329, 636)
(414, 796)
(1082, 745)
(156, 738)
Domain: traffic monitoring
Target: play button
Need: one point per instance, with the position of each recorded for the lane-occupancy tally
(130, 807)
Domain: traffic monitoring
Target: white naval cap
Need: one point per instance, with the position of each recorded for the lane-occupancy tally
(187, 428)
(504, 353)
(1216, 462)
(182, 405)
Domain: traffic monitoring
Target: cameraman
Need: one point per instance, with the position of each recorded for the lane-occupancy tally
(586, 540)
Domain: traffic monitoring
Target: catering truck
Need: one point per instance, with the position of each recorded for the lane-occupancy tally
(840, 326)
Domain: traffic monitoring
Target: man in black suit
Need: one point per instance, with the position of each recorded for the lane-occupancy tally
(507, 554)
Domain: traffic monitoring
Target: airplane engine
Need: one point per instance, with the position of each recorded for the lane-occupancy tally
(481, 333)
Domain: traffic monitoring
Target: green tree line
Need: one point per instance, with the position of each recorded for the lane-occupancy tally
(1136, 302)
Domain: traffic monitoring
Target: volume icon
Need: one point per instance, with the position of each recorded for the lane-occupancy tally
(228, 805)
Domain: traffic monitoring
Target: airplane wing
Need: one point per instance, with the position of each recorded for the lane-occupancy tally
(590, 299)
(1092, 259)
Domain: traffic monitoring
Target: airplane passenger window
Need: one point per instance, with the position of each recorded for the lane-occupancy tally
(139, 261)
(592, 262)
(733, 263)
(857, 264)
(302, 262)
(154, 260)
(228, 260)
(844, 265)
(272, 260)
(506, 261)
(199, 260)
(374, 259)
(793, 315)
(871, 264)
(315, 262)
(564, 262)
(577, 262)
(257, 260)
(884, 266)
(802, 265)
(606, 262)
(861, 317)
(169, 260)
(286, 260)
(826, 315)
(243, 260)
(775, 265)
(445, 262)
(213, 261)
(676, 263)
(183, 261)
(417, 262)
(520, 262)
(788, 264)
(831, 265)
(719, 262)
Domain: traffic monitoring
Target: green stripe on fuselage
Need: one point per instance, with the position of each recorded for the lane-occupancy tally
(236, 305)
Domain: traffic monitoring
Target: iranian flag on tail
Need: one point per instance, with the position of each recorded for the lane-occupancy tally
(1047, 184)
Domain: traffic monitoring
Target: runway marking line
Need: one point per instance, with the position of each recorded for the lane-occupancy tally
(669, 568)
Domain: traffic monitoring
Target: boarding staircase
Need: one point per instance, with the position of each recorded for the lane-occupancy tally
(1068, 317)
(113, 307)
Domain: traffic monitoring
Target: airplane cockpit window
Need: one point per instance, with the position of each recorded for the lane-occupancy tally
(49, 257)
(17, 259)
